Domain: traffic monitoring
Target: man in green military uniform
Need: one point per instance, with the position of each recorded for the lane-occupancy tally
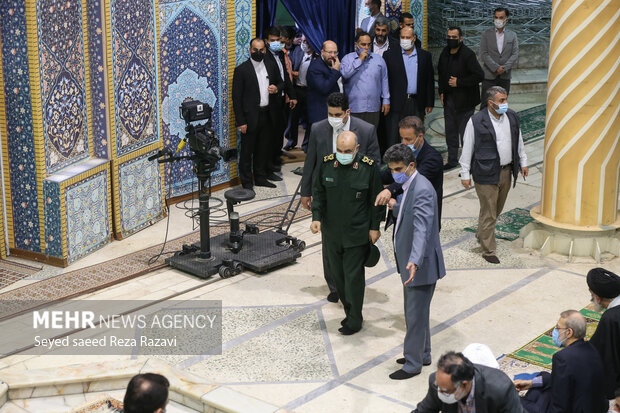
(343, 208)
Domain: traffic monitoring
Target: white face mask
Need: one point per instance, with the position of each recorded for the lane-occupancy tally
(499, 24)
(406, 44)
(336, 123)
(452, 397)
(304, 47)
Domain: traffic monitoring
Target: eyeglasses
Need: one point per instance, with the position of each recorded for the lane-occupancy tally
(332, 53)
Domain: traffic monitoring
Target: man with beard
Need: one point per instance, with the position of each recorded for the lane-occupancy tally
(382, 41)
(322, 78)
(459, 77)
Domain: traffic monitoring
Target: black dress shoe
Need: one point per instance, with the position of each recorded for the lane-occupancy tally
(491, 258)
(449, 166)
(402, 375)
(333, 297)
(402, 361)
(274, 177)
(264, 182)
(346, 331)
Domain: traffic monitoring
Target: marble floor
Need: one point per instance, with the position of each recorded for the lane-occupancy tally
(280, 338)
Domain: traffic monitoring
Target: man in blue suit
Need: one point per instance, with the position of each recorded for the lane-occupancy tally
(322, 78)
(419, 259)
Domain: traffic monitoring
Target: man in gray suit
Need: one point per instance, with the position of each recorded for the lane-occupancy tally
(419, 259)
(499, 51)
(322, 142)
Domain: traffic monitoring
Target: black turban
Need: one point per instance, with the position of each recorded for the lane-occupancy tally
(603, 283)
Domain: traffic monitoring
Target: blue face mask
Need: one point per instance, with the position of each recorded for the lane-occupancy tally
(366, 10)
(556, 338)
(345, 158)
(415, 151)
(502, 108)
(276, 46)
(400, 177)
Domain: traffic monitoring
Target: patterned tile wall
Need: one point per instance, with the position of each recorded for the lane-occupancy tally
(141, 198)
(393, 8)
(97, 79)
(134, 73)
(87, 215)
(417, 11)
(19, 133)
(194, 63)
(63, 82)
(243, 30)
(53, 222)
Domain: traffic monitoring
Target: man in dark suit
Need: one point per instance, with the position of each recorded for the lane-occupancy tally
(461, 386)
(288, 98)
(322, 142)
(323, 75)
(605, 290)
(459, 77)
(419, 258)
(429, 163)
(576, 382)
(412, 87)
(257, 104)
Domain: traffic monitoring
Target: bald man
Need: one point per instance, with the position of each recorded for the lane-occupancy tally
(322, 78)
(576, 382)
(343, 209)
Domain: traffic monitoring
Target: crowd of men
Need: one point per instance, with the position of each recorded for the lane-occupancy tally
(365, 151)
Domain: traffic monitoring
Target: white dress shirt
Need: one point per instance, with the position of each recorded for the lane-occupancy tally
(499, 37)
(614, 303)
(380, 49)
(263, 81)
(405, 187)
(503, 140)
(303, 70)
(335, 133)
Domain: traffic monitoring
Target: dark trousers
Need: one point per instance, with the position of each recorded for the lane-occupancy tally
(537, 400)
(347, 267)
(277, 138)
(255, 150)
(326, 271)
(409, 109)
(370, 117)
(486, 84)
(455, 122)
(292, 132)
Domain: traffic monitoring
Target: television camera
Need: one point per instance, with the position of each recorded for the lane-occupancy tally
(262, 251)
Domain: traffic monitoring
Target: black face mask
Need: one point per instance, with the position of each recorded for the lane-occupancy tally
(257, 56)
(453, 43)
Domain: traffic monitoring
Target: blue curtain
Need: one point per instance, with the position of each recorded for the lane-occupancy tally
(322, 20)
(265, 15)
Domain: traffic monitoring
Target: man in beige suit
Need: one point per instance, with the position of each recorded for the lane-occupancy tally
(499, 51)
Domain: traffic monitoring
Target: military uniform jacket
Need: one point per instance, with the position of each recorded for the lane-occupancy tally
(343, 199)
